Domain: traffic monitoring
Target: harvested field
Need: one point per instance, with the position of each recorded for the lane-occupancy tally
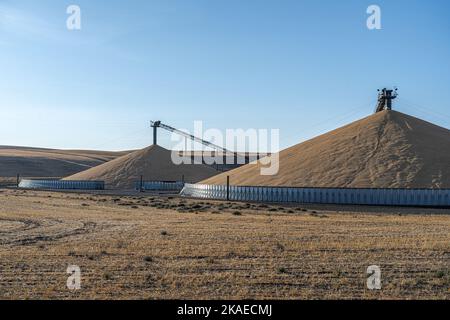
(155, 247)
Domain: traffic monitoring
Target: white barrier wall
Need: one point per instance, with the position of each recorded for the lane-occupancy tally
(400, 197)
(62, 185)
(160, 186)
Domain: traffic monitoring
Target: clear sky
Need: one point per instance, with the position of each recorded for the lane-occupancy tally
(303, 66)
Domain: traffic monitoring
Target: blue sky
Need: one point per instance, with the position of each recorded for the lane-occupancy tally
(304, 67)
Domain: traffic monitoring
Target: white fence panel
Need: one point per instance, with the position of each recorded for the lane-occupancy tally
(401, 197)
(61, 185)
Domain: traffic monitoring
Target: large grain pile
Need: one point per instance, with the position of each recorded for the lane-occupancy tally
(153, 163)
(386, 150)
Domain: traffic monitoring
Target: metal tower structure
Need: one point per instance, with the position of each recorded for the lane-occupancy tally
(158, 124)
(385, 97)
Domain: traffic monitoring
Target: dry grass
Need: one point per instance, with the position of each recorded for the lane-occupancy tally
(176, 248)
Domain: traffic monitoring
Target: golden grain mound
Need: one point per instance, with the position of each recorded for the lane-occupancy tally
(40, 162)
(386, 150)
(153, 163)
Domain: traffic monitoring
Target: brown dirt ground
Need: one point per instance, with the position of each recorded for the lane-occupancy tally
(159, 247)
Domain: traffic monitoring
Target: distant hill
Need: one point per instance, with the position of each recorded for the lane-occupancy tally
(388, 149)
(41, 162)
